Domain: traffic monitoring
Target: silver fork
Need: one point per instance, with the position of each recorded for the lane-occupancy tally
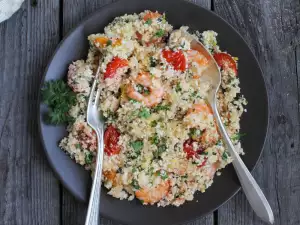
(251, 189)
(95, 120)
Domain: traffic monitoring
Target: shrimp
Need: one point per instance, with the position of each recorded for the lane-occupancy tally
(210, 172)
(210, 134)
(155, 88)
(199, 115)
(154, 194)
(200, 108)
(198, 62)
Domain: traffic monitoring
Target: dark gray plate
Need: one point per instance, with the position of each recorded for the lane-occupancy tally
(254, 122)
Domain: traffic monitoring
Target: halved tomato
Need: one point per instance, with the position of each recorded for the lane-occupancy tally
(176, 59)
(111, 138)
(188, 148)
(225, 61)
(113, 66)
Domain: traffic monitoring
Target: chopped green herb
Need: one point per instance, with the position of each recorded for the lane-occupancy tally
(133, 115)
(60, 98)
(146, 92)
(112, 116)
(160, 149)
(164, 19)
(195, 133)
(214, 153)
(134, 170)
(204, 153)
(162, 174)
(161, 107)
(109, 42)
(142, 201)
(77, 145)
(88, 158)
(140, 88)
(178, 88)
(224, 156)
(153, 62)
(154, 140)
(135, 184)
(160, 33)
(137, 146)
(185, 176)
(153, 123)
(144, 113)
(151, 170)
(133, 100)
(148, 22)
(237, 136)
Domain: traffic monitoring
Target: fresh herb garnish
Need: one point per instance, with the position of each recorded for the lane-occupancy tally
(60, 98)
(153, 62)
(224, 156)
(160, 33)
(137, 146)
(109, 42)
(164, 19)
(135, 184)
(133, 100)
(161, 107)
(77, 145)
(112, 116)
(88, 158)
(148, 22)
(195, 133)
(153, 123)
(237, 136)
(162, 174)
(154, 140)
(160, 149)
(144, 113)
(178, 88)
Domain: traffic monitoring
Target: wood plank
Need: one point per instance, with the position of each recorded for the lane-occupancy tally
(73, 212)
(271, 28)
(28, 187)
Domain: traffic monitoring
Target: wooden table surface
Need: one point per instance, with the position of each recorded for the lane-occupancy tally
(30, 193)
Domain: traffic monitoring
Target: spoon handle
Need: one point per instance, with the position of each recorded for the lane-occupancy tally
(92, 217)
(251, 189)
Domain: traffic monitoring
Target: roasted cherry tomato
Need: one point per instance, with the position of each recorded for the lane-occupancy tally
(113, 66)
(188, 148)
(176, 59)
(111, 138)
(225, 61)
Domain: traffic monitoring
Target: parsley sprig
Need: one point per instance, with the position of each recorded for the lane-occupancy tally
(60, 98)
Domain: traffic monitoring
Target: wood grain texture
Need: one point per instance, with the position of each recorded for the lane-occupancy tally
(271, 28)
(29, 190)
(73, 212)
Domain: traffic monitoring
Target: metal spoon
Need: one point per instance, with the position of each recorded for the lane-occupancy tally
(251, 189)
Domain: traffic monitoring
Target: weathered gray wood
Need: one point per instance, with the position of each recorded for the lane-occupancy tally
(73, 213)
(29, 192)
(271, 28)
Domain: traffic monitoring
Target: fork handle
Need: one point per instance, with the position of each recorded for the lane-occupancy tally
(92, 217)
(251, 189)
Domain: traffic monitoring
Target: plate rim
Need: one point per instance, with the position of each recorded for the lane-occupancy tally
(81, 22)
